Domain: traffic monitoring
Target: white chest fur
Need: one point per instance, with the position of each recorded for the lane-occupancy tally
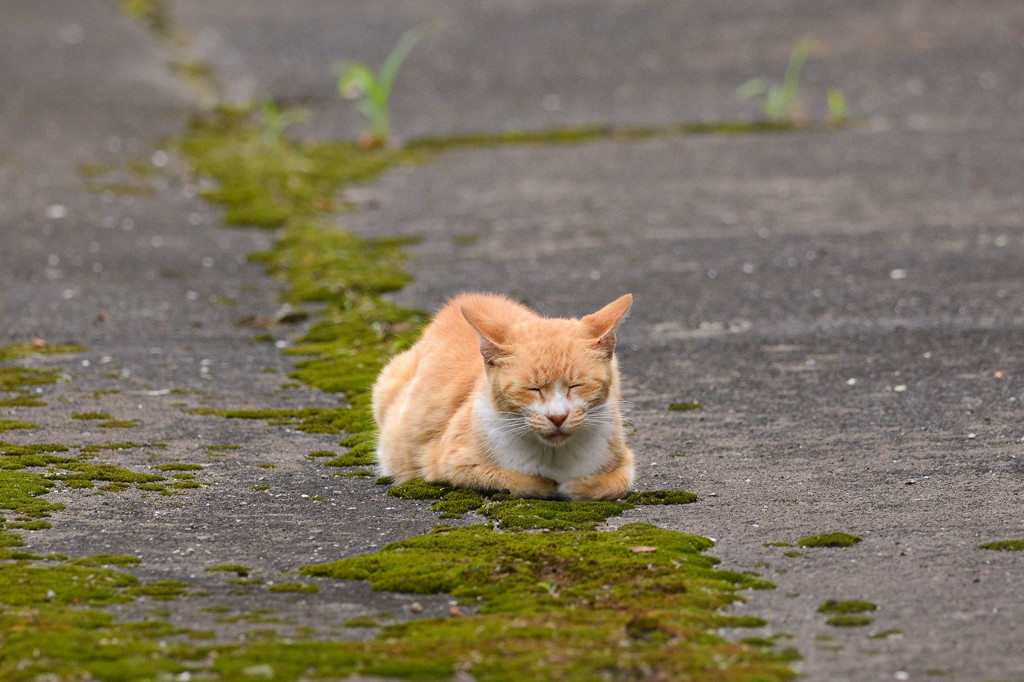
(514, 445)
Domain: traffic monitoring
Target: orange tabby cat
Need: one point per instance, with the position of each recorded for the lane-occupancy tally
(495, 397)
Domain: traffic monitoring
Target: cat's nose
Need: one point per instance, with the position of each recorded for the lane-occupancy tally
(557, 419)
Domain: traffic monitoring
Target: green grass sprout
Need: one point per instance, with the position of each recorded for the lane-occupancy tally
(358, 82)
(782, 100)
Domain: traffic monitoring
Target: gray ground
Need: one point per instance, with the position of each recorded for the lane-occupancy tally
(846, 306)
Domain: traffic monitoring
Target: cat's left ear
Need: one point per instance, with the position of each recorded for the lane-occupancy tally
(601, 325)
(492, 336)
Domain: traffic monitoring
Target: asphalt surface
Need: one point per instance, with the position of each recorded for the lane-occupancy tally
(846, 306)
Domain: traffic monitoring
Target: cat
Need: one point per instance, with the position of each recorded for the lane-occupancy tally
(495, 397)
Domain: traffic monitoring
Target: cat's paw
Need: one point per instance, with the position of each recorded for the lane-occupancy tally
(564, 491)
(611, 486)
(535, 487)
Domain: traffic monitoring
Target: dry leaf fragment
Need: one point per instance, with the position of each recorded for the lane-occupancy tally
(643, 548)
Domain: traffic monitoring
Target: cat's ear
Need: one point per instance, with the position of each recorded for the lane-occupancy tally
(600, 326)
(491, 333)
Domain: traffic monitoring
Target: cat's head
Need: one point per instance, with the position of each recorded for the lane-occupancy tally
(550, 378)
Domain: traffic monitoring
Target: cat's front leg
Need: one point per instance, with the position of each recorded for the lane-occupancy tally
(490, 477)
(613, 485)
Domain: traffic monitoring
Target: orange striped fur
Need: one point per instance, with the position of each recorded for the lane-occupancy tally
(496, 397)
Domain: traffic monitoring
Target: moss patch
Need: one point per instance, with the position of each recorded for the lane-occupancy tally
(107, 560)
(1016, 545)
(118, 424)
(303, 588)
(13, 424)
(90, 415)
(829, 540)
(518, 514)
(179, 466)
(12, 378)
(17, 351)
(163, 590)
(846, 606)
(33, 455)
(237, 569)
(604, 610)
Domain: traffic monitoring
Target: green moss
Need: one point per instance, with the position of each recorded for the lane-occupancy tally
(91, 471)
(17, 351)
(33, 455)
(238, 569)
(304, 588)
(13, 378)
(184, 485)
(23, 584)
(163, 590)
(29, 525)
(829, 540)
(458, 502)
(519, 514)
(848, 621)
(684, 407)
(261, 487)
(846, 606)
(179, 466)
(266, 180)
(20, 492)
(107, 560)
(661, 602)
(90, 415)
(1016, 545)
(118, 424)
(13, 424)
(418, 489)
(367, 621)
(125, 445)
(662, 497)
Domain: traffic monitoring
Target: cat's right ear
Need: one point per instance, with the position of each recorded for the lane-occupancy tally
(491, 335)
